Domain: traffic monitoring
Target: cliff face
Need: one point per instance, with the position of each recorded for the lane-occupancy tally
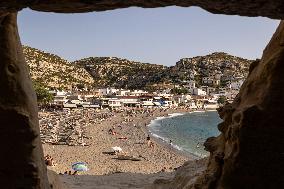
(52, 71)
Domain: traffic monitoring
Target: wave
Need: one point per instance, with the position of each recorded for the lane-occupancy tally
(166, 140)
(155, 121)
(199, 111)
(175, 114)
(159, 129)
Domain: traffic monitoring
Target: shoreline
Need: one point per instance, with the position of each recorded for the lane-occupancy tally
(164, 143)
(152, 160)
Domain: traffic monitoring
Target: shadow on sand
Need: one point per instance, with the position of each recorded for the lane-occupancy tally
(113, 181)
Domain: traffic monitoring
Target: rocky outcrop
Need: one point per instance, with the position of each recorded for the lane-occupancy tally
(185, 175)
(21, 151)
(55, 181)
(272, 8)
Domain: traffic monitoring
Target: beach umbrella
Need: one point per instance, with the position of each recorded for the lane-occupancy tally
(80, 166)
(117, 148)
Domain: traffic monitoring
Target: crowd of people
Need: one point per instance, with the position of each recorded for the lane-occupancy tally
(101, 130)
(68, 127)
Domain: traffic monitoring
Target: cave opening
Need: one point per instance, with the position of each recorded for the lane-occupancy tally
(249, 150)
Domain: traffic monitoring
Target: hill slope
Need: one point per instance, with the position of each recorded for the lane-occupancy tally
(122, 73)
(52, 71)
(117, 72)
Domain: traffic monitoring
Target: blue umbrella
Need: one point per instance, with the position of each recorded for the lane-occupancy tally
(80, 166)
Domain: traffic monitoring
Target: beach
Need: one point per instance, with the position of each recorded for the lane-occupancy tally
(122, 129)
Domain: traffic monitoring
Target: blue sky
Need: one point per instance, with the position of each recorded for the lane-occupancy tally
(160, 36)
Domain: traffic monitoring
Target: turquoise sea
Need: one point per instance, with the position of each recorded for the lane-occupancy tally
(187, 131)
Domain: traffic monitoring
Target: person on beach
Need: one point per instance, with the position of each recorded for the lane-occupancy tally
(49, 160)
(149, 142)
(110, 131)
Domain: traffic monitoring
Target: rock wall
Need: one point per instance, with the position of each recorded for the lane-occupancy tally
(271, 8)
(21, 156)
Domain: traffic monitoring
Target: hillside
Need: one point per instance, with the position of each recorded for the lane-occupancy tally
(52, 71)
(218, 63)
(122, 73)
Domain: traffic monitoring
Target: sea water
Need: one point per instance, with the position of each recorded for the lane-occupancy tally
(187, 131)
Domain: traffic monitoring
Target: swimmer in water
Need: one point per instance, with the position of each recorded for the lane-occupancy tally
(197, 146)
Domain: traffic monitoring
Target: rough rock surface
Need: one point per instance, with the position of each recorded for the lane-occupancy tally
(55, 181)
(184, 177)
(272, 8)
(21, 151)
(248, 154)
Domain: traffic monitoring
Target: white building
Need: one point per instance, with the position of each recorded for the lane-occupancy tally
(236, 85)
(190, 85)
(138, 93)
(200, 92)
(147, 102)
(129, 101)
(182, 98)
(222, 91)
(60, 99)
(210, 81)
(114, 103)
(123, 92)
(211, 104)
(208, 90)
(108, 91)
(207, 80)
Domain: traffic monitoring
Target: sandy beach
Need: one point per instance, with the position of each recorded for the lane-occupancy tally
(130, 134)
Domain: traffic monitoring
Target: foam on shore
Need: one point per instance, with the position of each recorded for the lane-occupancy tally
(165, 140)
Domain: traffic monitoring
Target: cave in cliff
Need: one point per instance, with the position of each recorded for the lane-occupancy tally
(249, 151)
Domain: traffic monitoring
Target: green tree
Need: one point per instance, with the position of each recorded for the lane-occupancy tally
(43, 96)
(179, 91)
(80, 86)
(222, 100)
